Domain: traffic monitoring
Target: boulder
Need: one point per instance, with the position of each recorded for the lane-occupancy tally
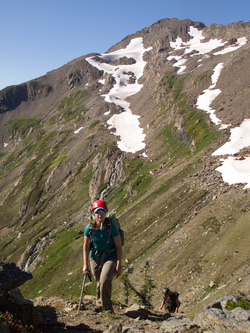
(215, 317)
(222, 302)
(11, 276)
(179, 324)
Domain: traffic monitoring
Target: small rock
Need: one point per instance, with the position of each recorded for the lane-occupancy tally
(114, 328)
(68, 309)
(135, 311)
(211, 284)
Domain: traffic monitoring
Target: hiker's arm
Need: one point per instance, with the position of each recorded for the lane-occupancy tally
(177, 305)
(86, 247)
(162, 303)
(118, 245)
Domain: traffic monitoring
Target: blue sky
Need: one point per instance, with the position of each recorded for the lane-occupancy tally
(37, 36)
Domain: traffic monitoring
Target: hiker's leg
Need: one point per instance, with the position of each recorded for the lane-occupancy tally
(96, 271)
(106, 277)
(171, 309)
(168, 307)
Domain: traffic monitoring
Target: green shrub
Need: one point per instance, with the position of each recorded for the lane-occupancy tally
(243, 303)
(145, 293)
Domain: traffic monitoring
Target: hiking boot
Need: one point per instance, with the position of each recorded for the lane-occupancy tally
(97, 308)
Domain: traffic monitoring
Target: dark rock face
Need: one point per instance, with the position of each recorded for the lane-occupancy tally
(12, 97)
(11, 276)
(17, 311)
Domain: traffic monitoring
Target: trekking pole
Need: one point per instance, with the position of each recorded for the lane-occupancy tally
(83, 285)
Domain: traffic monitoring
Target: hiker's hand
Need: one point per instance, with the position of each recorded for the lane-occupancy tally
(85, 270)
(118, 271)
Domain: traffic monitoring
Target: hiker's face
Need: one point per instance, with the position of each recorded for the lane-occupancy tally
(100, 216)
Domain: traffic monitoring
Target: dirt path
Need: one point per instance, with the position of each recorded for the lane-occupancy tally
(61, 317)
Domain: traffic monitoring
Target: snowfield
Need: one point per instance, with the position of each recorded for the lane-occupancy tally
(127, 125)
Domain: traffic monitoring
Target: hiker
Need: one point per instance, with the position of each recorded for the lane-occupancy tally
(103, 248)
(171, 300)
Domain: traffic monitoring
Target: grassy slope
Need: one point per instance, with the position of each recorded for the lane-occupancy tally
(185, 251)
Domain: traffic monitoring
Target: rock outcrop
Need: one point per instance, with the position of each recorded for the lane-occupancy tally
(11, 276)
(217, 318)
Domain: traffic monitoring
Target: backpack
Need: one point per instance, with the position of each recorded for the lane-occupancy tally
(114, 219)
(170, 302)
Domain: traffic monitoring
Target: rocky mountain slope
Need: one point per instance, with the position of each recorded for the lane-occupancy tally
(59, 153)
(53, 314)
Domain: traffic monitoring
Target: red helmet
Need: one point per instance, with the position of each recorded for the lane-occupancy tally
(99, 204)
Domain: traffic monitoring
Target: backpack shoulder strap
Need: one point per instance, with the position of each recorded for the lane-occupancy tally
(109, 227)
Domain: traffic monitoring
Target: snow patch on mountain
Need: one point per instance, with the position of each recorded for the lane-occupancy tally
(204, 101)
(127, 125)
(195, 46)
(233, 171)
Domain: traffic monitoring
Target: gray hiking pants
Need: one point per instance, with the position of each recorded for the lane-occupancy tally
(103, 276)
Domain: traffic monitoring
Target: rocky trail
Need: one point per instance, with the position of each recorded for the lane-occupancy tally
(63, 316)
